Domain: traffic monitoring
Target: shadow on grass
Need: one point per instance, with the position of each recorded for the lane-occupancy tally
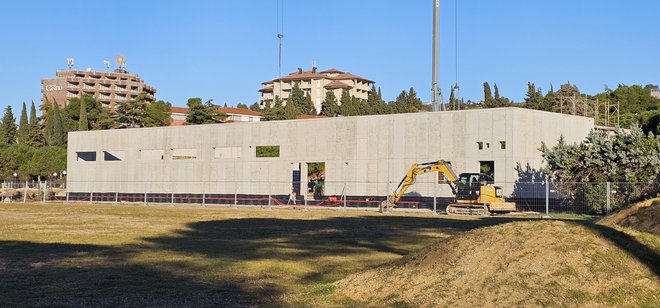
(38, 274)
(62, 275)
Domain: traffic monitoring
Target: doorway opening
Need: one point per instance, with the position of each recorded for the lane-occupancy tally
(315, 180)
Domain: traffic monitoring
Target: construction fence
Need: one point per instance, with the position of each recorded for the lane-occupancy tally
(540, 197)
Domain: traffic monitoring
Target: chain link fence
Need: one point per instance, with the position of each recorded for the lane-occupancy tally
(539, 197)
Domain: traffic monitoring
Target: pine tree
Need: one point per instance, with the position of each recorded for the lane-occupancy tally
(83, 124)
(199, 113)
(329, 106)
(274, 112)
(23, 126)
(8, 127)
(382, 106)
(534, 98)
(35, 137)
(414, 104)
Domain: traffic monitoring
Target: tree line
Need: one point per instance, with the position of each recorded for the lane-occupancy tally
(36, 147)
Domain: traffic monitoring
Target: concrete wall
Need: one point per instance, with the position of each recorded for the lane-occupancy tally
(365, 152)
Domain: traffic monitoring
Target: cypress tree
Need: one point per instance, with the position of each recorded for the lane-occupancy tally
(347, 108)
(497, 92)
(488, 96)
(452, 100)
(83, 124)
(59, 133)
(8, 127)
(329, 107)
(23, 126)
(33, 115)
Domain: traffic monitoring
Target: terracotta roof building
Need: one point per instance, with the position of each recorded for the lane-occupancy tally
(316, 85)
(108, 88)
(178, 115)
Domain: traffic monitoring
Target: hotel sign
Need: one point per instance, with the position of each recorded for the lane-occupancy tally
(51, 87)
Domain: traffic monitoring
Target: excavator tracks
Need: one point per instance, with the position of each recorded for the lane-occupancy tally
(452, 209)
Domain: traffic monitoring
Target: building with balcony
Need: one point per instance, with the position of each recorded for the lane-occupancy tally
(107, 87)
(316, 85)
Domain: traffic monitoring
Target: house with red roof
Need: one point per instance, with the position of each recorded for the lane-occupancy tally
(178, 115)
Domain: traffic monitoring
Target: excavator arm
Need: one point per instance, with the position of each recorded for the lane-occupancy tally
(421, 168)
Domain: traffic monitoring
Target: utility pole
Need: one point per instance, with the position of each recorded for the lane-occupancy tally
(280, 36)
(435, 87)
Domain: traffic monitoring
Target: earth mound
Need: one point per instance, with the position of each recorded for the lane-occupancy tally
(643, 216)
(531, 263)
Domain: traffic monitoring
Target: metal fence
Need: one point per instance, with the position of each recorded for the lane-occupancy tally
(540, 197)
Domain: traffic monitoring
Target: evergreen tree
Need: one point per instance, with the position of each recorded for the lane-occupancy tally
(49, 125)
(132, 113)
(8, 127)
(299, 103)
(382, 107)
(23, 125)
(489, 102)
(59, 131)
(347, 108)
(274, 113)
(452, 100)
(242, 106)
(534, 98)
(158, 114)
(83, 124)
(414, 104)
(330, 108)
(33, 115)
(256, 107)
(497, 92)
(201, 113)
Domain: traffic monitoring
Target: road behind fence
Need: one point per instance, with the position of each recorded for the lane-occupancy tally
(541, 197)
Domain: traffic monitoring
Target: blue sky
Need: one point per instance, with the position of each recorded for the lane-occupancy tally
(224, 49)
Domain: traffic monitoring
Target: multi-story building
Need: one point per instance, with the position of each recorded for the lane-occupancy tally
(107, 87)
(178, 115)
(655, 92)
(316, 84)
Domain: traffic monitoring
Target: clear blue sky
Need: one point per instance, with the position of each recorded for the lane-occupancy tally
(224, 49)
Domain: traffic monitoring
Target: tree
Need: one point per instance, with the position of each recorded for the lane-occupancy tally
(242, 106)
(298, 103)
(382, 107)
(274, 113)
(452, 100)
(131, 113)
(202, 113)
(33, 115)
(347, 108)
(47, 160)
(83, 124)
(8, 127)
(256, 107)
(489, 101)
(329, 107)
(534, 98)
(59, 137)
(15, 159)
(23, 127)
(35, 136)
(158, 114)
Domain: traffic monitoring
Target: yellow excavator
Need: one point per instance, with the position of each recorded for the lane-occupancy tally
(474, 192)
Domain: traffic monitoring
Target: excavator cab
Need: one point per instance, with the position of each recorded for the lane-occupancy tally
(468, 186)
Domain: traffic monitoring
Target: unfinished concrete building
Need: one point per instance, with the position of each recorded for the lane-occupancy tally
(363, 156)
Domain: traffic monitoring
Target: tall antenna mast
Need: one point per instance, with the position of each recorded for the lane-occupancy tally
(435, 87)
(280, 36)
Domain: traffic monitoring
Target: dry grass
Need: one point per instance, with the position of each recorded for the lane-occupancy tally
(109, 255)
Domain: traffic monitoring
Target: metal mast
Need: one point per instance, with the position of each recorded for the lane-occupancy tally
(435, 87)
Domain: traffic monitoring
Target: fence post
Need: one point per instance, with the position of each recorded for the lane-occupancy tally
(145, 197)
(345, 192)
(609, 192)
(67, 197)
(172, 199)
(116, 197)
(91, 197)
(547, 199)
(435, 193)
(387, 198)
(11, 192)
(305, 198)
(235, 194)
(270, 190)
(26, 192)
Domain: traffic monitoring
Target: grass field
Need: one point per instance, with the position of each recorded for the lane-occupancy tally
(112, 255)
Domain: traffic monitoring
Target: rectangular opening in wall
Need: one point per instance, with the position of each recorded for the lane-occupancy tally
(442, 178)
(226, 152)
(502, 145)
(182, 154)
(480, 145)
(113, 155)
(151, 154)
(488, 168)
(268, 151)
(86, 156)
(315, 179)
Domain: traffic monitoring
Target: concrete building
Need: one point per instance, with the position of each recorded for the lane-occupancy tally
(316, 84)
(178, 115)
(107, 87)
(655, 92)
(363, 153)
